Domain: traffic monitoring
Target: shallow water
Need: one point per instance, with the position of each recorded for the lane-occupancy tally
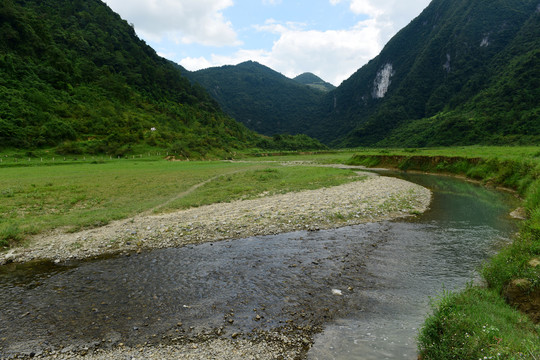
(368, 286)
(441, 250)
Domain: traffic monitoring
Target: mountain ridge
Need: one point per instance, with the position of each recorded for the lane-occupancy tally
(447, 56)
(75, 76)
(263, 99)
(314, 81)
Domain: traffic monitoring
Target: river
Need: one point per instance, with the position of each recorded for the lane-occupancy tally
(362, 291)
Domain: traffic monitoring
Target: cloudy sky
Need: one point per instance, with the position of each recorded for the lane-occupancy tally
(330, 38)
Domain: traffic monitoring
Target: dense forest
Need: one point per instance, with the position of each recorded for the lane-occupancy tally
(314, 81)
(463, 72)
(261, 98)
(75, 76)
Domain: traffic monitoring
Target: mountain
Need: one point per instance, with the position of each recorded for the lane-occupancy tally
(73, 74)
(261, 98)
(463, 72)
(314, 81)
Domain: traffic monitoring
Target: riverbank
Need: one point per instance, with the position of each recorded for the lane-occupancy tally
(375, 198)
(483, 322)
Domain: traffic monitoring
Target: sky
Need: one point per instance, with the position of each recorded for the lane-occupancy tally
(330, 38)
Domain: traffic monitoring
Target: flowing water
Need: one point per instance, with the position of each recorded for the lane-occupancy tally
(366, 287)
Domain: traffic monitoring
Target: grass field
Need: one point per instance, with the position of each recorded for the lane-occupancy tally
(80, 194)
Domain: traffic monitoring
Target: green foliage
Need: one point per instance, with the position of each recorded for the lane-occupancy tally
(290, 143)
(314, 81)
(477, 324)
(464, 72)
(261, 98)
(72, 73)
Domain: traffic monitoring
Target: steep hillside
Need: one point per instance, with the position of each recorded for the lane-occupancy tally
(314, 81)
(74, 74)
(261, 98)
(463, 72)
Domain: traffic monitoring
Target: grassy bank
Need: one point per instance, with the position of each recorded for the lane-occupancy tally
(478, 323)
(76, 194)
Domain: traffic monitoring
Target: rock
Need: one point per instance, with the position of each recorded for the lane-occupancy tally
(518, 294)
(534, 263)
(520, 213)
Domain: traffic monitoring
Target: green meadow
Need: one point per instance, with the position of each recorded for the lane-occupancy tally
(76, 194)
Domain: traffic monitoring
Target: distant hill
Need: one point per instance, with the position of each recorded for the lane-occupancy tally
(463, 72)
(314, 81)
(73, 74)
(261, 98)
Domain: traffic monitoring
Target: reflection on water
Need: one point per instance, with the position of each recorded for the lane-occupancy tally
(384, 272)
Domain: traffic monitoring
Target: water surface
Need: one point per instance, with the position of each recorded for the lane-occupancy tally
(367, 287)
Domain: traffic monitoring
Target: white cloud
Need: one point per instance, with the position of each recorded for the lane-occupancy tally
(194, 64)
(398, 13)
(185, 21)
(333, 55)
(365, 7)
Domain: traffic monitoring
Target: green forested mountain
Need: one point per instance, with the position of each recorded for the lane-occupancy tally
(463, 72)
(261, 98)
(73, 73)
(314, 81)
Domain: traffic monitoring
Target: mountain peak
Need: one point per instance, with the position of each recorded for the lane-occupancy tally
(314, 81)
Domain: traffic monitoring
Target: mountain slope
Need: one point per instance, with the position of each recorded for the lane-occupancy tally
(261, 98)
(314, 81)
(74, 73)
(443, 80)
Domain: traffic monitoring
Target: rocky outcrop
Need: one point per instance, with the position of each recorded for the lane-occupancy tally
(523, 295)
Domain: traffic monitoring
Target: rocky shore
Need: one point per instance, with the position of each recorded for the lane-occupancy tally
(376, 198)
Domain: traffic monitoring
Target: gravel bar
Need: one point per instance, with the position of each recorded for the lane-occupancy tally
(373, 199)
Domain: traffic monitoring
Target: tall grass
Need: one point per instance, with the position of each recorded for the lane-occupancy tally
(477, 324)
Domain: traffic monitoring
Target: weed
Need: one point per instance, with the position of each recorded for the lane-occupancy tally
(476, 324)
(11, 234)
(8, 193)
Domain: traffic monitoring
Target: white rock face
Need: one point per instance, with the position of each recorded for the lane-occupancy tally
(382, 81)
(448, 65)
(485, 42)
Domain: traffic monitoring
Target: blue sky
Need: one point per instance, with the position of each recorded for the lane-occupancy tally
(330, 38)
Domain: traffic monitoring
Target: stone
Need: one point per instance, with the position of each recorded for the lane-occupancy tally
(534, 263)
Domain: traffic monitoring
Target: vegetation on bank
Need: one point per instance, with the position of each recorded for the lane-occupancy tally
(477, 323)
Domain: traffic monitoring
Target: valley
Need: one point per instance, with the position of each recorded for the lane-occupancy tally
(243, 214)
